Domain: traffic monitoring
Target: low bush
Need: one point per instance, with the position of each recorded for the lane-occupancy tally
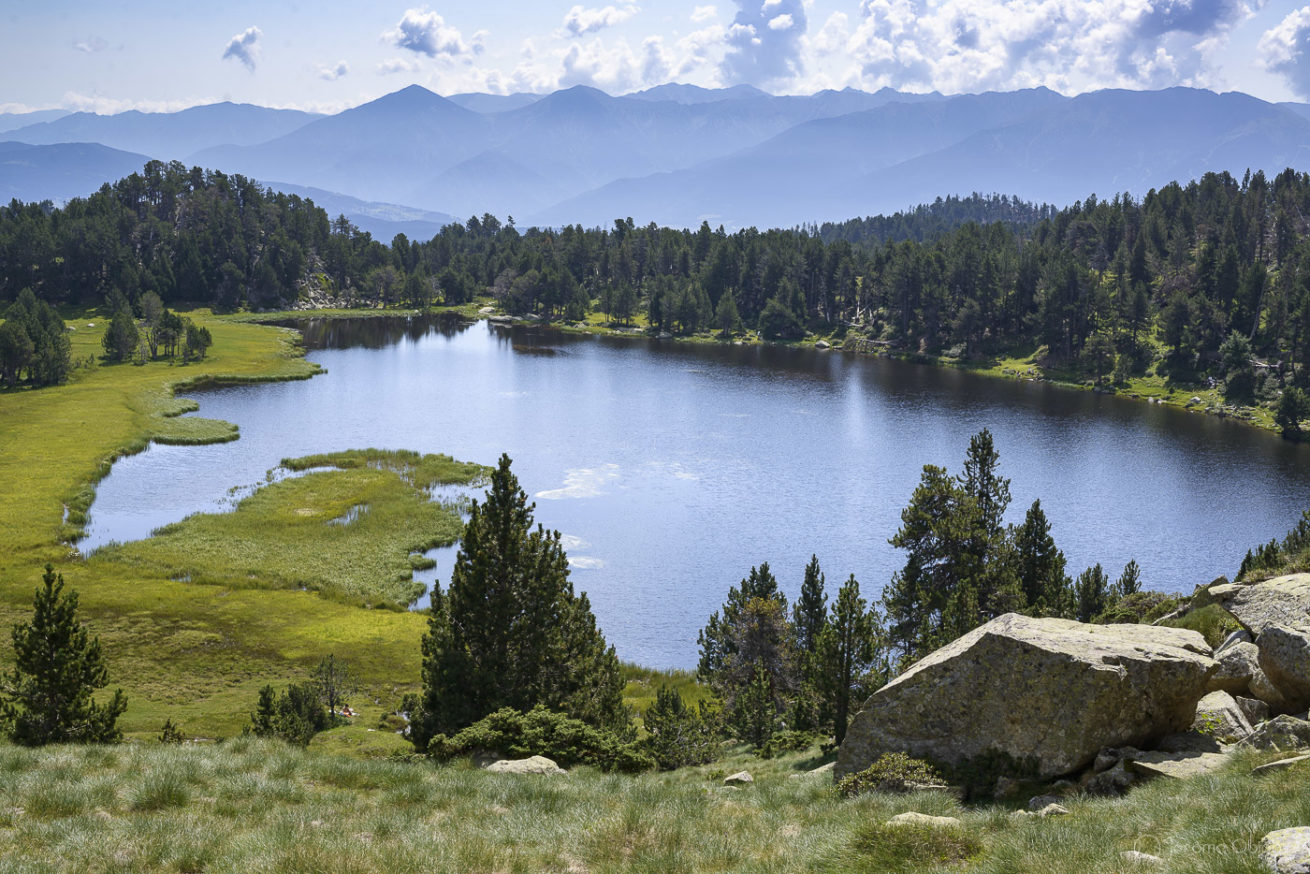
(892, 772)
(679, 735)
(788, 742)
(542, 732)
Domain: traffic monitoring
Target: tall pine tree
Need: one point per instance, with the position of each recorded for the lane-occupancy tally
(58, 665)
(510, 632)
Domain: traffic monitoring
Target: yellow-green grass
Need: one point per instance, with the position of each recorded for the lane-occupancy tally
(347, 532)
(252, 805)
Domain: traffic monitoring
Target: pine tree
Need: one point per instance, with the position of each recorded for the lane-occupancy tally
(1039, 566)
(1092, 591)
(58, 665)
(809, 617)
(510, 632)
(850, 645)
(1130, 581)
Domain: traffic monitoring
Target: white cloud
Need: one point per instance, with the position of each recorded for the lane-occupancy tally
(334, 72)
(580, 21)
(244, 47)
(91, 45)
(426, 33)
(1068, 45)
(702, 14)
(765, 43)
(398, 65)
(1285, 49)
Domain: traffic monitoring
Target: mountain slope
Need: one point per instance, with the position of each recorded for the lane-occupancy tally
(169, 135)
(61, 172)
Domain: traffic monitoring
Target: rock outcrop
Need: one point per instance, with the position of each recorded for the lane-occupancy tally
(1280, 601)
(1047, 693)
(1285, 660)
(1219, 716)
(1287, 851)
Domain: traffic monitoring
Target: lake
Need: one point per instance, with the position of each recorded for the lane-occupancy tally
(672, 468)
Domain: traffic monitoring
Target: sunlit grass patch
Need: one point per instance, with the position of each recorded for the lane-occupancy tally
(347, 532)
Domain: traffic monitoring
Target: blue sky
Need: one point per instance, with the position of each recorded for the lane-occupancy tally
(326, 55)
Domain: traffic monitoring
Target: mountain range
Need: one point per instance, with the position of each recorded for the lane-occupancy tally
(679, 154)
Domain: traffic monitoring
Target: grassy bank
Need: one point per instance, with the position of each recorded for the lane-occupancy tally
(251, 805)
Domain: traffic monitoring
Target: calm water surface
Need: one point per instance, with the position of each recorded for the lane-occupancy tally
(672, 469)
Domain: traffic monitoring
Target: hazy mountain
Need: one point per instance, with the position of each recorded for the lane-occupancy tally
(783, 180)
(490, 103)
(693, 94)
(61, 172)
(168, 135)
(1105, 142)
(382, 220)
(381, 151)
(14, 120)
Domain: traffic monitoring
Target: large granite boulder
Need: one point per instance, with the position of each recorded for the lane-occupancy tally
(1220, 716)
(1049, 693)
(1280, 601)
(1238, 662)
(1285, 660)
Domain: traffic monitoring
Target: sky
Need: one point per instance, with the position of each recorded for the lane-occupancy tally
(108, 56)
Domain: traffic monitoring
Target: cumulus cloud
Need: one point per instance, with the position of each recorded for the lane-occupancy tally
(91, 45)
(1068, 45)
(426, 33)
(580, 20)
(765, 42)
(702, 14)
(398, 65)
(1285, 49)
(333, 72)
(244, 47)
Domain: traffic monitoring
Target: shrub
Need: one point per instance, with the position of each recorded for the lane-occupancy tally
(788, 742)
(294, 716)
(892, 772)
(1137, 608)
(170, 733)
(677, 735)
(542, 732)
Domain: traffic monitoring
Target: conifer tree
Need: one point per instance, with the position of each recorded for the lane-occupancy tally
(510, 632)
(1039, 566)
(58, 666)
(849, 646)
(809, 616)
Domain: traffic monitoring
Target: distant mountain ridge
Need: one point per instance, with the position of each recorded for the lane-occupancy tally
(680, 154)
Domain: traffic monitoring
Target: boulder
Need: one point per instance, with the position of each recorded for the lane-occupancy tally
(1280, 765)
(741, 778)
(1136, 857)
(1111, 783)
(530, 765)
(1239, 661)
(923, 819)
(1279, 601)
(1287, 851)
(1281, 733)
(1048, 693)
(1256, 711)
(1285, 659)
(1219, 716)
(1178, 766)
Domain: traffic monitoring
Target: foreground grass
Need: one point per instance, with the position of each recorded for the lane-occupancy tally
(250, 805)
(351, 531)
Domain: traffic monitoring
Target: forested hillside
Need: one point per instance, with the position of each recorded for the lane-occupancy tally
(1112, 286)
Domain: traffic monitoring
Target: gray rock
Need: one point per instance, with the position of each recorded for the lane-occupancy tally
(1279, 601)
(1285, 659)
(1219, 716)
(1052, 809)
(1111, 783)
(822, 344)
(1280, 765)
(1134, 857)
(1238, 663)
(741, 778)
(1241, 635)
(1037, 802)
(530, 765)
(1287, 851)
(823, 769)
(912, 818)
(1281, 733)
(1132, 684)
(1177, 766)
(1255, 710)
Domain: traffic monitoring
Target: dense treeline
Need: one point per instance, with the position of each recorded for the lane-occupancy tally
(1109, 286)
